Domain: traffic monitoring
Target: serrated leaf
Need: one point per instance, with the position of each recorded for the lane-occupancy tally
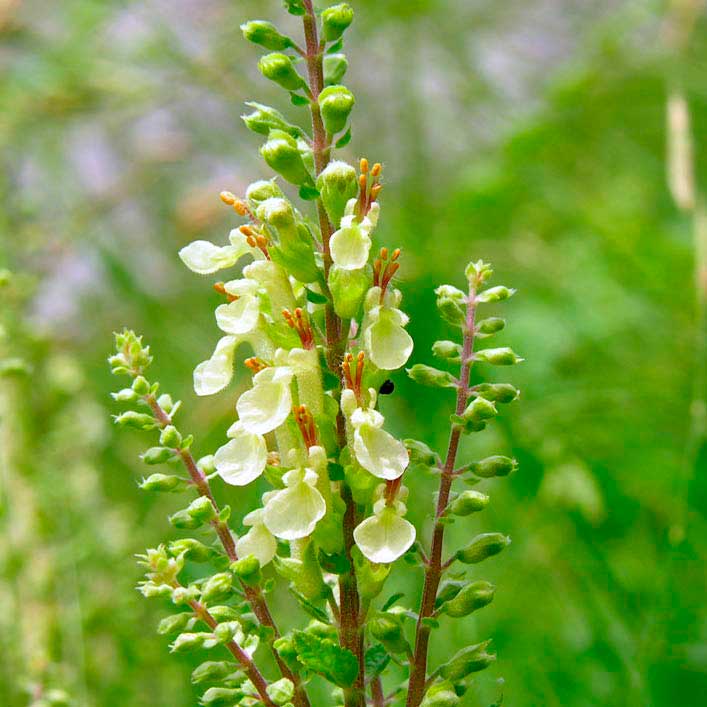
(344, 140)
(309, 608)
(376, 661)
(326, 658)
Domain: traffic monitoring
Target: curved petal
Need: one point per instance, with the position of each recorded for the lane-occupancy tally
(380, 453)
(350, 247)
(216, 373)
(385, 537)
(240, 316)
(242, 459)
(387, 343)
(266, 405)
(259, 542)
(294, 512)
(204, 257)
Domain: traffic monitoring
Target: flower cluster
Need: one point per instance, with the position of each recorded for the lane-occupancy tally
(318, 312)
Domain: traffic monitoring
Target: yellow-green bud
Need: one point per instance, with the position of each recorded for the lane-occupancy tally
(451, 303)
(388, 629)
(217, 587)
(498, 357)
(281, 69)
(174, 624)
(489, 326)
(447, 350)
(170, 437)
(480, 409)
(495, 465)
(335, 67)
(469, 502)
(497, 392)
(281, 691)
(471, 659)
(183, 520)
(138, 420)
(248, 570)
(193, 549)
(494, 294)
(335, 105)
(337, 184)
(226, 631)
(474, 596)
(266, 35)
(189, 642)
(477, 273)
(221, 697)
(432, 377)
(157, 455)
(126, 395)
(141, 385)
(263, 119)
(335, 21)
(164, 482)
(420, 453)
(277, 212)
(482, 547)
(441, 695)
(261, 190)
(282, 154)
(202, 509)
(223, 613)
(212, 671)
(348, 288)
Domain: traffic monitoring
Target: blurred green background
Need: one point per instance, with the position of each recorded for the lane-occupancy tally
(530, 133)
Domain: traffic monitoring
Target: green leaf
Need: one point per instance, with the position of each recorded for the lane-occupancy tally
(391, 600)
(326, 658)
(298, 100)
(344, 140)
(315, 297)
(294, 7)
(336, 47)
(376, 661)
(308, 192)
(310, 608)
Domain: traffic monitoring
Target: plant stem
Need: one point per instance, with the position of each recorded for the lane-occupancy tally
(350, 633)
(377, 692)
(433, 572)
(253, 594)
(238, 653)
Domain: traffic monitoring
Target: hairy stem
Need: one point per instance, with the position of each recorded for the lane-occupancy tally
(238, 653)
(433, 573)
(253, 594)
(350, 633)
(377, 695)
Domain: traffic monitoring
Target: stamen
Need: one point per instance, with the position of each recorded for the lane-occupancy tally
(375, 191)
(255, 364)
(228, 198)
(363, 165)
(391, 490)
(221, 289)
(307, 426)
(301, 325)
(346, 367)
(359, 372)
(377, 169)
(240, 207)
(384, 271)
(255, 239)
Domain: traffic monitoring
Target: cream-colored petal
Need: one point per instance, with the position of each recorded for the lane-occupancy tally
(385, 537)
(240, 316)
(215, 374)
(350, 247)
(242, 459)
(387, 343)
(266, 405)
(259, 542)
(380, 453)
(294, 512)
(204, 257)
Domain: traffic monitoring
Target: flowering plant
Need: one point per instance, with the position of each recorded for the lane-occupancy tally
(317, 307)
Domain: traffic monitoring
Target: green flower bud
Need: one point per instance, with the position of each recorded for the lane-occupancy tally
(174, 624)
(336, 20)
(469, 502)
(480, 409)
(494, 294)
(451, 303)
(202, 509)
(304, 573)
(184, 595)
(447, 350)
(193, 549)
(335, 105)
(184, 521)
(475, 595)
(448, 590)
(433, 377)
(224, 614)
(420, 453)
(496, 392)
(296, 254)
(212, 671)
(496, 465)
(282, 154)
(217, 587)
(138, 420)
(482, 547)
(348, 288)
(387, 628)
(471, 659)
(227, 631)
(370, 577)
(264, 119)
(281, 691)
(221, 697)
(247, 569)
(335, 67)
(266, 35)
(170, 437)
(261, 190)
(337, 184)
(281, 69)
(141, 385)
(441, 695)
(498, 357)
(489, 326)
(186, 642)
(164, 483)
(126, 395)
(477, 273)
(157, 455)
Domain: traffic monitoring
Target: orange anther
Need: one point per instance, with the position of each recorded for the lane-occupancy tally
(227, 197)
(364, 165)
(240, 207)
(246, 230)
(377, 169)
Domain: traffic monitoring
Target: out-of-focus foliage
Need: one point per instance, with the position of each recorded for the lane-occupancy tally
(531, 134)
